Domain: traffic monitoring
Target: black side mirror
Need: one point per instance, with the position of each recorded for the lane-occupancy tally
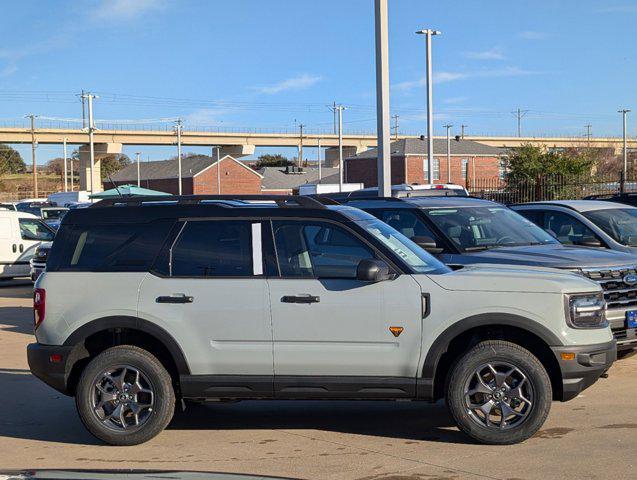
(588, 242)
(428, 244)
(372, 270)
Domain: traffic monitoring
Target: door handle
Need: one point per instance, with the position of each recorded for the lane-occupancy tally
(305, 298)
(178, 298)
(14, 248)
(21, 248)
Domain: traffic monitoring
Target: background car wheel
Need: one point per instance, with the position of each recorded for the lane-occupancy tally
(499, 393)
(125, 396)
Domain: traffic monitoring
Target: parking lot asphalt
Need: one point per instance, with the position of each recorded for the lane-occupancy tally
(591, 437)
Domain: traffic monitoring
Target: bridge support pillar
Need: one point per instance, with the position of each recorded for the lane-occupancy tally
(101, 150)
(331, 154)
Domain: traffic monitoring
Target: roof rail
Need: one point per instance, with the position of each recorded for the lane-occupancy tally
(281, 200)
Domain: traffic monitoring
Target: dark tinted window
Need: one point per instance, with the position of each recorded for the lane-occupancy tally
(566, 228)
(536, 216)
(124, 247)
(317, 250)
(406, 222)
(213, 249)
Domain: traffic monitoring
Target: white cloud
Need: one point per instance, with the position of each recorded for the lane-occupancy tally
(491, 54)
(119, 10)
(205, 116)
(8, 70)
(532, 35)
(444, 77)
(300, 82)
(454, 100)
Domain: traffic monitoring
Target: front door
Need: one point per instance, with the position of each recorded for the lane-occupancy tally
(213, 299)
(333, 334)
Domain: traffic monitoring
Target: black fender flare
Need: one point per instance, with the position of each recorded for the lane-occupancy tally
(441, 344)
(124, 321)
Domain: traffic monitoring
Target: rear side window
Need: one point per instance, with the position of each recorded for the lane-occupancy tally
(117, 248)
(213, 248)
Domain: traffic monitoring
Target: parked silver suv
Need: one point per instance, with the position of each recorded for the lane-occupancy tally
(147, 301)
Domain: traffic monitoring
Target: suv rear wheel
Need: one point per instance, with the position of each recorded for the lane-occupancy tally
(125, 396)
(499, 393)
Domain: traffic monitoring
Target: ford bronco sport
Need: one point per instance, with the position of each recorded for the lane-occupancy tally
(151, 300)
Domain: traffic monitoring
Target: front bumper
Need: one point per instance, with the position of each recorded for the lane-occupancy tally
(54, 373)
(626, 337)
(590, 362)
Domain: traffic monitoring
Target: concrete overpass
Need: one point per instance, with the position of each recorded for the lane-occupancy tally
(240, 144)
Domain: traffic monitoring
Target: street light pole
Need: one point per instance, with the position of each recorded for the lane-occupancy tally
(383, 160)
(139, 177)
(319, 159)
(217, 147)
(91, 130)
(33, 160)
(66, 181)
(624, 113)
(178, 127)
(340, 109)
(430, 141)
(448, 127)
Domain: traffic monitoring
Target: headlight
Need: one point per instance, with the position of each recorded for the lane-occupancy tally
(586, 310)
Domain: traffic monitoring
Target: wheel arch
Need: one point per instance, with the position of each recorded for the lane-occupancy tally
(465, 333)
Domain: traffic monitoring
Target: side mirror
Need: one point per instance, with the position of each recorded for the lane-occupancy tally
(428, 244)
(589, 242)
(372, 270)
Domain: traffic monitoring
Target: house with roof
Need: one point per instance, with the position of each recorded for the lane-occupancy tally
(469, 161)
(199, 176)
(287, 180)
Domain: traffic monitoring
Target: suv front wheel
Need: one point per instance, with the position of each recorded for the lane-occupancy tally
(499, 393)
(125, 396)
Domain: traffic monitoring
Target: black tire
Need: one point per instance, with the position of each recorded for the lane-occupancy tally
(154, 377)
(464, 377)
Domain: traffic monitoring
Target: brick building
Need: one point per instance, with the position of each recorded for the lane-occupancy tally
(199, 176)
(469, 161)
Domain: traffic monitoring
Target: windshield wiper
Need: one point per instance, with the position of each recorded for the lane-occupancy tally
(479, 248)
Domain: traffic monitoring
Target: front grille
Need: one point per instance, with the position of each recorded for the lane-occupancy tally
(618, 294)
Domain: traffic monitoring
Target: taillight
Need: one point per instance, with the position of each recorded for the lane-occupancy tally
(39, 304)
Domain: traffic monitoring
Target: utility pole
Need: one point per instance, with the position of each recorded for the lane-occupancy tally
(34, 145)
(339, 109)
(300, 159)
(383, 123)
(334, 114)
(430, 116)
(91, 130)
(83, 110)
(66, 182)
(588, 133)
(519, 114)
(318, 144)
(624, 113)
(448, 127)
(462, 127)
(395, 127)
(139, 177)
(178, 128)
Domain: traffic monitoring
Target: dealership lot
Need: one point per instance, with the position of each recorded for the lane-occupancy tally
(593, 436)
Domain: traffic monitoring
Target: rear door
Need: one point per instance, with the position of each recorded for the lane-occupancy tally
(211, 294)
(333, 333)
(9, 237)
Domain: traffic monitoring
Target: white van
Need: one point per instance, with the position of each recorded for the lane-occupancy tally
(20, 234)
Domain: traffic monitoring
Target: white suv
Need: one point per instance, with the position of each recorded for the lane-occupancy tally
(147, 301)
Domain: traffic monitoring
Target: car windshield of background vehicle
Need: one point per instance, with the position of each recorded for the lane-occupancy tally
(415, 257)
(481, 228)
(619, 223)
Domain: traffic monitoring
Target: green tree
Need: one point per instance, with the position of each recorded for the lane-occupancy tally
(269, 160)
(113, 163)
(10, 160)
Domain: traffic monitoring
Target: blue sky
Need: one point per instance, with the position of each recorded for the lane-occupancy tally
(272, 64)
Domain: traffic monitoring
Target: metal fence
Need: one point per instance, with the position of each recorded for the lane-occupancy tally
(550, 187)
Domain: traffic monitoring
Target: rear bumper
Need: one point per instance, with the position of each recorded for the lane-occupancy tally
(590, 362)
(54, 374)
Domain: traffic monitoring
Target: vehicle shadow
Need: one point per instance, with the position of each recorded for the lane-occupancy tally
(410, 421)
(16, 319)
(25, 418)
(16, 288)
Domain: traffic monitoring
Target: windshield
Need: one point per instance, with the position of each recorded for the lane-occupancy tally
(619, 223)
(481, 228)
(414, 256)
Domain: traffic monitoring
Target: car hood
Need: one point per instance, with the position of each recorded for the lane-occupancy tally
(510, 278)
(555, 256)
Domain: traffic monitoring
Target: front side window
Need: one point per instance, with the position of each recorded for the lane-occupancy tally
(317, 250)
(567, 229)
(213, 248)
(481, 228)
(619, 223)
(33, 229)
